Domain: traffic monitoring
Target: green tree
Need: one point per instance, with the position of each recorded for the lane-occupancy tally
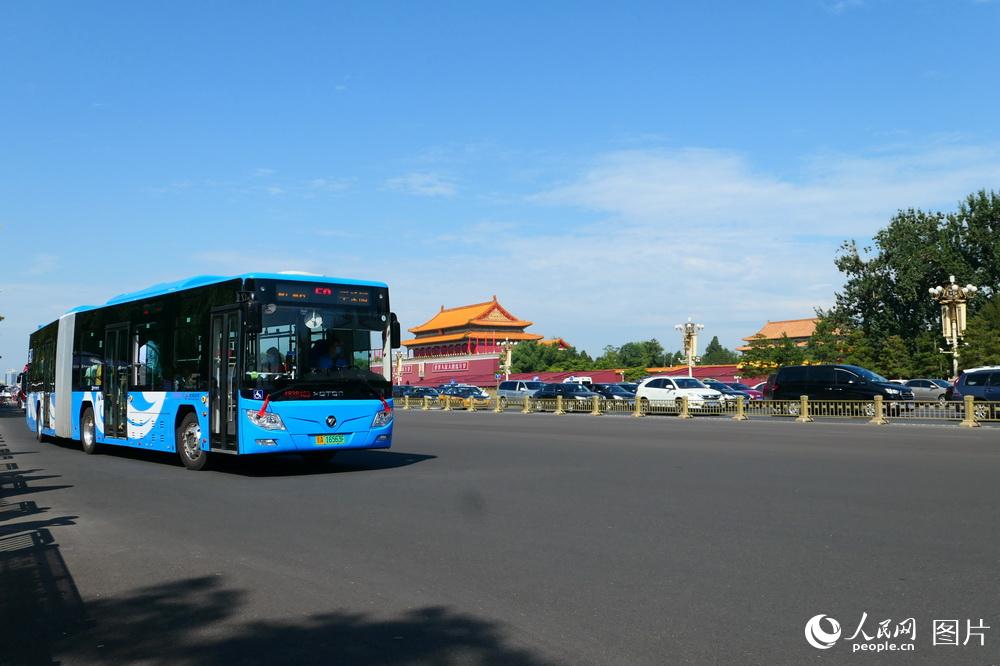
(716, 354)
(609, 359)
(765, 356)
(982, 337)
(643, 353)
(534, 357)
(928, 361)
(829, 342)
(895, 359)
(885, 290)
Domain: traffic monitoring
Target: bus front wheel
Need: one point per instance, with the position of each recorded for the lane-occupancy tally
(188, 443)
(88, 433)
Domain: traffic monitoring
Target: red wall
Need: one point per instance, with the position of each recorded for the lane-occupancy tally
(478, 372)
(599, 376)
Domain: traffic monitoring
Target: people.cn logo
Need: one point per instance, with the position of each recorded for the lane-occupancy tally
(818, 636)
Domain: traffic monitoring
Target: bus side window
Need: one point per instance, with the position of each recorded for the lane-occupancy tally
(91, 360)
(147, 357)
(187, 357)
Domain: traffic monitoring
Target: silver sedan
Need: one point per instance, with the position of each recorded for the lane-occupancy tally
(928, 389)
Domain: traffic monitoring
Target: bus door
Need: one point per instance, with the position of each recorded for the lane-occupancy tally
(115, 384)
(224, 394)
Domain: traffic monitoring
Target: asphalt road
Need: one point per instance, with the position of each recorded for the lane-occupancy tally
(505, 539)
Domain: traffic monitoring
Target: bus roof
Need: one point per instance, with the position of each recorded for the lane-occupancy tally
(203, 280)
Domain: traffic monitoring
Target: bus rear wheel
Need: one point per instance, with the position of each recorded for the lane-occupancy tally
(88, 432)
(187, 440)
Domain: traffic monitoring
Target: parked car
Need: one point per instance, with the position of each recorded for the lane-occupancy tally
(517, 390)
(928, 389)
(419, 392)
(567, 391)
(586, 381)
(664, 389)
(981, 383)
(464, 392)
(631, 387)
(834, 382)
(729, 394)
(612, 392)
(750, 393)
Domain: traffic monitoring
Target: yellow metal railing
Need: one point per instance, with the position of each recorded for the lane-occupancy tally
(968, 413)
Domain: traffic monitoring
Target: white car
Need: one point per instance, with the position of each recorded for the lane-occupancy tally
(672, 389)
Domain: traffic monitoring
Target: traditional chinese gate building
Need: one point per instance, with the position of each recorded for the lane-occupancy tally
(462, 344)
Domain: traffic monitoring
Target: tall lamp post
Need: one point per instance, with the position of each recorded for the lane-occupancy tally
(953, 297)
(506, 352)
(689, 333)
(399, 367)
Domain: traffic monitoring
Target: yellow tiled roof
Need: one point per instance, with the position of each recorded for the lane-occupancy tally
(465, 335)
(490, 313)
(793, 328)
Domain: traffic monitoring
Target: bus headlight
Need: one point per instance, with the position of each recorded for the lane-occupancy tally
(382, 418)
(267, 420)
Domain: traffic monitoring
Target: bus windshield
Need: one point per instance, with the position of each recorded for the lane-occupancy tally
(321, 352)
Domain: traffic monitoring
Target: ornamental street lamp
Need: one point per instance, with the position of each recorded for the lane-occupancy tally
(399, 367)
(689, 334)
(507, 348)
(952, 298)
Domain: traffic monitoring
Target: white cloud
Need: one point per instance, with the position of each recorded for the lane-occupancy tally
(668, 234)
(423, 184)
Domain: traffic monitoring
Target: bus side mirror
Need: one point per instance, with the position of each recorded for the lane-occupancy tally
(394, 333)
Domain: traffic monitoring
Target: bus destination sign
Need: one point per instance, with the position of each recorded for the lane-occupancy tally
(313, 293)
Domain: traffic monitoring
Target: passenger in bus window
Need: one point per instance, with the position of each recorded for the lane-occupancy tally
(272, 361)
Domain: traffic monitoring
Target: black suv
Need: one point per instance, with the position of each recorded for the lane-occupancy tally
(832, 382)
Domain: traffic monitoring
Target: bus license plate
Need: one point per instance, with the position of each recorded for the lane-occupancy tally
(330, 439)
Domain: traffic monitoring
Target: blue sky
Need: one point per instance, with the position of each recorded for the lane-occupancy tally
(607, 169)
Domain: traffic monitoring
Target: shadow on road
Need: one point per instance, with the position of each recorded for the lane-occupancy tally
(20, 510)
(295, 465)
(278, 464)
(273, 464)
(197, 620)
(39, 602)
(173, 623)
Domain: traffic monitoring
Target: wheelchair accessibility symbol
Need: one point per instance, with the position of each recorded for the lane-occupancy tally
(258, 394)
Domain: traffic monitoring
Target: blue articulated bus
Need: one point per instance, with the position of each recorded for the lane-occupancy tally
(248, 364)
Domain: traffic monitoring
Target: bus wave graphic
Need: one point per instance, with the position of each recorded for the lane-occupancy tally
(817, 636)
(142, 413)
